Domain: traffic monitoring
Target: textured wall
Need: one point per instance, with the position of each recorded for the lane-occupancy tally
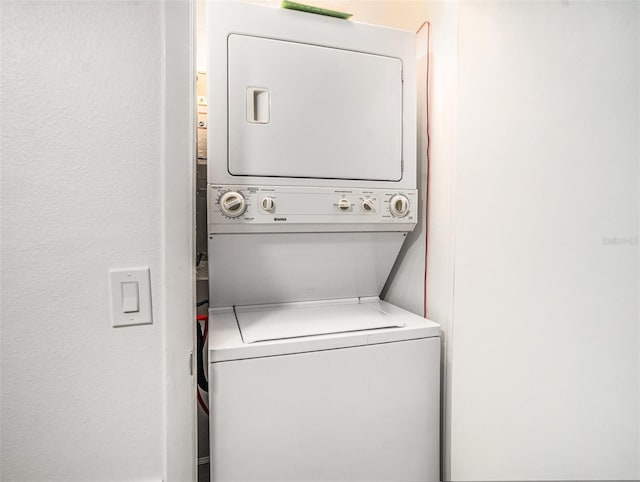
(81, 119)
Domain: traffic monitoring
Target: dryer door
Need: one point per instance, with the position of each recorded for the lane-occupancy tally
(299, 110)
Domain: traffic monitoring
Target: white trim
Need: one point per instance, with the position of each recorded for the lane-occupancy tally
(178, 240)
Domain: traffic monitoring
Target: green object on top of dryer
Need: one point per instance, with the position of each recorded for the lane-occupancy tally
(317, 10)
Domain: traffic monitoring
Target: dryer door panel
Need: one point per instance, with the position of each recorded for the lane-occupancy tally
(298, 110)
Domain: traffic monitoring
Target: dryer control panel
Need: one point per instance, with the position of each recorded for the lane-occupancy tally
(277, 209)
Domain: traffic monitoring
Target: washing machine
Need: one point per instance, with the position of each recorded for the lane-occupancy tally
(311, 194)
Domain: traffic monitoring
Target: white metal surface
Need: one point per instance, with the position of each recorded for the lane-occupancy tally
(291, 320)
(311, 208)
(312, 177)
(227, 343)
(359, 414)
(315, 113)
(248, 269)
(318, 125)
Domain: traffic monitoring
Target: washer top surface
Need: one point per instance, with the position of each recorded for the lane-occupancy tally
(287, 328)
(296, 320)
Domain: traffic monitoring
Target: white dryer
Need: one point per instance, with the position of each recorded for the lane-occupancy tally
(312, 190)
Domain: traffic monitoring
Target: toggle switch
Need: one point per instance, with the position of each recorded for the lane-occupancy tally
(130, 297)
(130, 291)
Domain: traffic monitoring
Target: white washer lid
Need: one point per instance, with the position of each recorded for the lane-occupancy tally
(290, 329)
(260, 323)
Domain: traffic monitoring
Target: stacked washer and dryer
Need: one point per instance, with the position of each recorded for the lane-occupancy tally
(311, 193)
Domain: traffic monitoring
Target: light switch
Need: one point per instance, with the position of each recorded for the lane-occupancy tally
(130, 300)
(130, 291)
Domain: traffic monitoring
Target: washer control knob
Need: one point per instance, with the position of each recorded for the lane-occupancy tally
(399, 205)
(267, 203)
(344, 205)
(232, 204)
(368, 205)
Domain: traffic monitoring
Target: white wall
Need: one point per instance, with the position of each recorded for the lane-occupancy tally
(93, 176)
(545, 374)
(533, 228)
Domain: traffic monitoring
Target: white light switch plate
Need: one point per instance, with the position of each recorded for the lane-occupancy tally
(120, 307)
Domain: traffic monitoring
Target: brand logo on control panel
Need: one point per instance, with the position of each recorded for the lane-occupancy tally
(279, 219)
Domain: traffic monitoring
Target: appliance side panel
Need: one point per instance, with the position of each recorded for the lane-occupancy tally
(297, 418)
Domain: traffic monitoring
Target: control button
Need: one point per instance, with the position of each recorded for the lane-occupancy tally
(232, 204)
(268, 204)
(399, 205)
(368, 205)
(344, 205)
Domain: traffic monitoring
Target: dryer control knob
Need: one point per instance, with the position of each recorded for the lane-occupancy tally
(399, 205)
(232, 204)
(368, 206)
(344, 205)
(268, 203)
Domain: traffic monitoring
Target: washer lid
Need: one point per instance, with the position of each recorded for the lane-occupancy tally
(259, 323)
(271, 330)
